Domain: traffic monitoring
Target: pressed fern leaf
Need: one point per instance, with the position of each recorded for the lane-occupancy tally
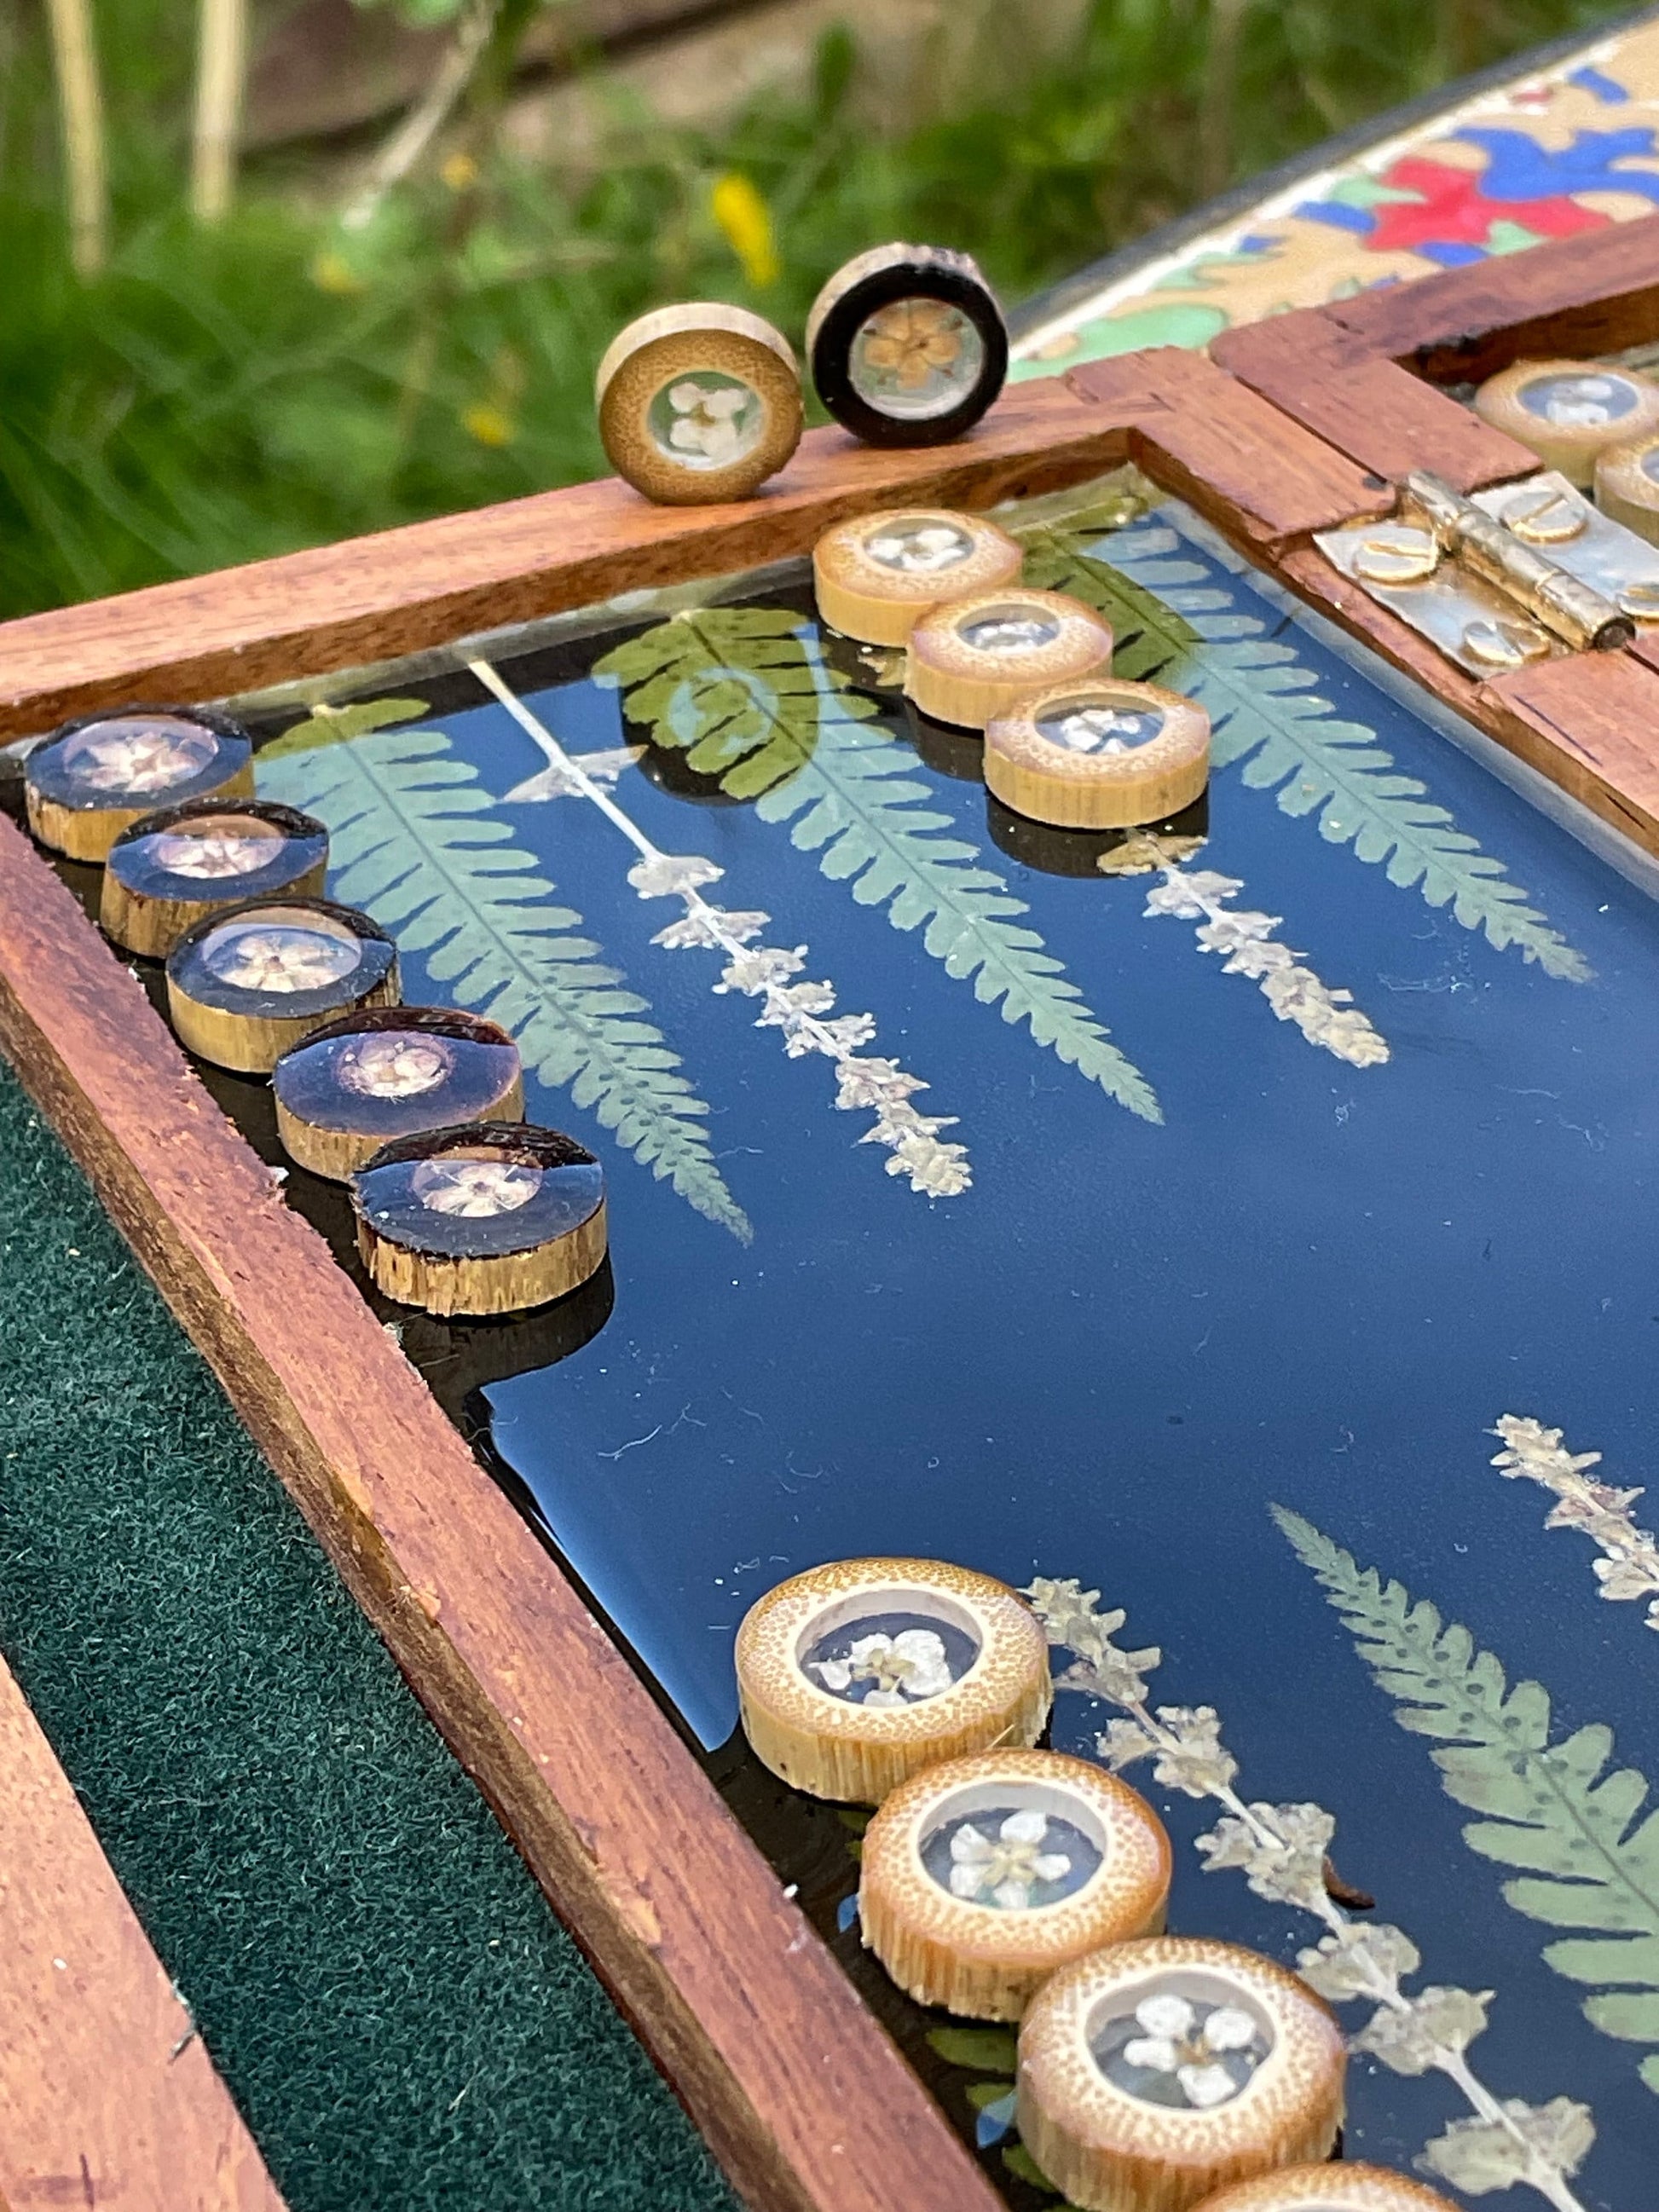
(332, 726)
(745, 692)
(416, 842)
(1181, 625)
(1589, 1854)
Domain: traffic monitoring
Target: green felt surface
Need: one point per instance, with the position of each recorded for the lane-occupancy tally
(397, 2014)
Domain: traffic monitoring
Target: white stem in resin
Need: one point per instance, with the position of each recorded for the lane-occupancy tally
(1326, 1017)
(1199, 1765)
(1385, 1988)
(935, 1168)
(1630, 1566)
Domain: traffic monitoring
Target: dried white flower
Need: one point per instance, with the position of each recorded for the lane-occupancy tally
(1478, 2155)
(756, 970)
(555, 782)
(280, 960)
(1361, 1960)
(905, 1668)
(1005, 1871)
(671, 875)
(1631, 1568)
(207, 859)
(474, 1189)
(874, 1083)
(1191, 1756)
(1326, 1017)
(1413, 2036)
(935, 1170)
(1280, 1848)
(710, 928)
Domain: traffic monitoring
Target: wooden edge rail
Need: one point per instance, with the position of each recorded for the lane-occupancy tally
(107, 2094)
(371, 598)
(802, 2096)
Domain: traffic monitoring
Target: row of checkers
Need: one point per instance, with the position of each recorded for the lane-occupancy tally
(460, 1206)
(1067, 742)
(1003, 1882)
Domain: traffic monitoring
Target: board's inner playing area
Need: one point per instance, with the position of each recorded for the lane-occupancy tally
(1212, 1258)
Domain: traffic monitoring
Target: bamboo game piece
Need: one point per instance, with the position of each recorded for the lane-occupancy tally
(1152, 2073)
(247, 984)
(974, 657)
(489, 1218)
(1106, 754)
(853, 1675)
(906, 345)
(1328, 2187)
(698, 403)
(171, 870)
(875, 578)
(981, 1876)
(1627, 484)
(389, 1072)
(97, 775)
(1568, 412)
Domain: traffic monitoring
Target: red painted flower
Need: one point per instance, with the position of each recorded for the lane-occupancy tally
(1454, 210)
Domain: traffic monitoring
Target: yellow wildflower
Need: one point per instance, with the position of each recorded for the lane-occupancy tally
(745, 223)
(332, 273)
(489, 424)
(459, 171)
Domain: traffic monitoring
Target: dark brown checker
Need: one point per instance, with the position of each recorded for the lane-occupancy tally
(1386, 420)
(1240, 461)
(107, 2094)
(803, 2098)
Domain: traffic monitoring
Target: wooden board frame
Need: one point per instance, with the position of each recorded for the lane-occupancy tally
(107, 2095)
(1294, 425)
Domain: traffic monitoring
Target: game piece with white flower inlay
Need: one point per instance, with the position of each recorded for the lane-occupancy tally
(1152, 2073)
(698, 403)
(906, 345)
(389, 1072)
(853, 1675)
(981, 1876)
(1105, 754)
(1568, 412)
(875, 577)
(94, 777)
(172, 870)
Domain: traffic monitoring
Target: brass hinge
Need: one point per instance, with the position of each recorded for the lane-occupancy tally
(1473, 575)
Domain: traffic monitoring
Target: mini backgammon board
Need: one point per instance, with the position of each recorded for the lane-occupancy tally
(1221, 1228)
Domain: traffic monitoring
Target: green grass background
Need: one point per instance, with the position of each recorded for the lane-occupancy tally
(220, 395)
(403, 2022)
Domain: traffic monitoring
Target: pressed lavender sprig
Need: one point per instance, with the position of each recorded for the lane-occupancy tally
(1325, 1016)
(1282, 1850)
(1630, 1568)
(937, 1169)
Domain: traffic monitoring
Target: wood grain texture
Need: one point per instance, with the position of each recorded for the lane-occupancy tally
(1239, 461)
(801, 2093)
(1589, 722)
(1384, 419)
(370, 598)
(1596, 293)
(107, 2094)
